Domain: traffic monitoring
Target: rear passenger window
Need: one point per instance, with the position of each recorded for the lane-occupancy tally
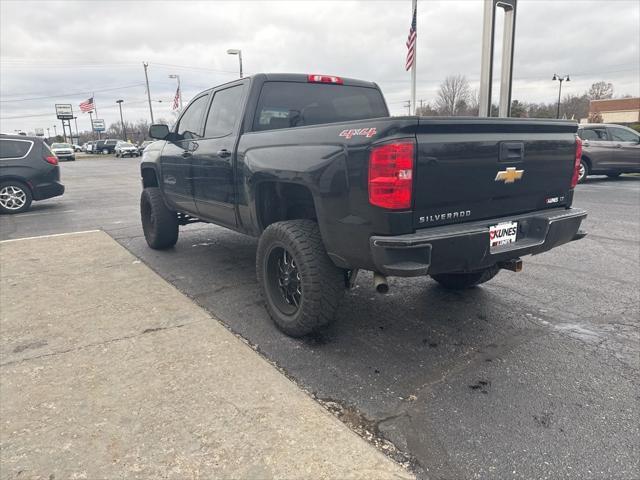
(191, 122)
(594, 134)
(224, 112)
(14, 148)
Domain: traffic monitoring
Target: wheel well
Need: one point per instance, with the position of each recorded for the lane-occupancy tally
(276, 202)
(17, 179)
(586, 160)
(149, 178)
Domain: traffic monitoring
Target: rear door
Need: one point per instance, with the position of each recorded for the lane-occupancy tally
(626, 149)
(596, 146)
(176, 161)
(213, 161)
(472, 169)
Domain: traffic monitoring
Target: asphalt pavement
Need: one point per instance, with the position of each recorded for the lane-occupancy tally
(533, 375)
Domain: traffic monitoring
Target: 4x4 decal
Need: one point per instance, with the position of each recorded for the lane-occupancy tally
(364, 132)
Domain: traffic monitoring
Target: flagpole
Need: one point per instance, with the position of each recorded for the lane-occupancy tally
(95, 108)
(414, 8)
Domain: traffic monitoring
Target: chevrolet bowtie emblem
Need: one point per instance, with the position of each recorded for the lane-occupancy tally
(509, 175)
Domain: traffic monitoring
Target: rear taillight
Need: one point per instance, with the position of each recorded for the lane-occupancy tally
(576, 164)
(51, 159)
(391, 175)
(313, 78)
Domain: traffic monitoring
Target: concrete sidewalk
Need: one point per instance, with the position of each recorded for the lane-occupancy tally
(107, 371)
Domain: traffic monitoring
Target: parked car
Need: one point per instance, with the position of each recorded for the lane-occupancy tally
(126, 149)
(76, 147)
(64, 151)
(144, 145)
(316, 168)
(88, 146)
(608, 149)
(106, 146)
(28, 171)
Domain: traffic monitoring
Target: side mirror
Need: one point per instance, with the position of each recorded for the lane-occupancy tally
(159, 131)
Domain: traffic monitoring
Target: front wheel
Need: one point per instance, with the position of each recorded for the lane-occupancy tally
(583, 171)
(15, 197)
(159, 224)
(301, 285)
(460, 281)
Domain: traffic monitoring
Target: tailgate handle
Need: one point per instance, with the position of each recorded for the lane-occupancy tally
(511, 152)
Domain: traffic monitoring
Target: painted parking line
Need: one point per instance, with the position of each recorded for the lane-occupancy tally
(48, 236)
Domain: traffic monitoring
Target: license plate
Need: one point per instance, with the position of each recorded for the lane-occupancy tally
(503, 234)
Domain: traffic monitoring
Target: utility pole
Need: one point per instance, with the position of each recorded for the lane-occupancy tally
(560, 78)
(55, 131)
(48, 134)
(75, 119)
(408, 105)
(124, 129)
(146, 77)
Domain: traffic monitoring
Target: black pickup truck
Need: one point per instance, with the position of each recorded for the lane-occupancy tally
(315, 167)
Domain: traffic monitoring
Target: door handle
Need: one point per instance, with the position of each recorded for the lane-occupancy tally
(224, 153)
(186, 154)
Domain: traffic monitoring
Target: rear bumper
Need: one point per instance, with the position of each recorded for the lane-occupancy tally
(465, 247)
(47, 190)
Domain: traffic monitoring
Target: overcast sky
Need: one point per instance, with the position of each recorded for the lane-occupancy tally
(64, 51)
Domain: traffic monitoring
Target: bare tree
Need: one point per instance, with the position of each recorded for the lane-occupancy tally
(453, 95)
(600, 90)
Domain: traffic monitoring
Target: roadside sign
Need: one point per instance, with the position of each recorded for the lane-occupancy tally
(64, 111)
(98, 125)
(39, 132)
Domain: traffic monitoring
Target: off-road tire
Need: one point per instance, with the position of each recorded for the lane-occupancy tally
(322, 283)
(460, 281)
(160, 225)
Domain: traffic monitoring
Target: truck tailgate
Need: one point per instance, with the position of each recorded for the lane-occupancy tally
(472, 169)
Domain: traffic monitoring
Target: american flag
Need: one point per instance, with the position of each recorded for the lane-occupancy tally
(411, 42)
(176, 100)
(87, 105)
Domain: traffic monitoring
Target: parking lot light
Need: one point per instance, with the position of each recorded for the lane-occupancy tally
(560, 78)
(124, 129)
(234, 51)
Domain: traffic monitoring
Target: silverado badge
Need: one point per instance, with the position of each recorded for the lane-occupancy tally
(509, 175)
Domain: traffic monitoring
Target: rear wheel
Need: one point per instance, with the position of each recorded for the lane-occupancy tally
(460, 281)
(160, 225)
(15, 197)
(300, 284)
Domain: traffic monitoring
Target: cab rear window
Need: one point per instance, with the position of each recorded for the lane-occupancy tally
(295, 104)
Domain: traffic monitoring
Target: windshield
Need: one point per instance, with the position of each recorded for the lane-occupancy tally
(60, 145)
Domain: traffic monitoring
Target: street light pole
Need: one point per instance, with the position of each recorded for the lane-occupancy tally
(48, 134)
(177, 77)
(124, 129)
(55, 131)
(560, 78)
(75, 119)
(234, 51)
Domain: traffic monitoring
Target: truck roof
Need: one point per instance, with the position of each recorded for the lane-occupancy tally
(298, 77)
